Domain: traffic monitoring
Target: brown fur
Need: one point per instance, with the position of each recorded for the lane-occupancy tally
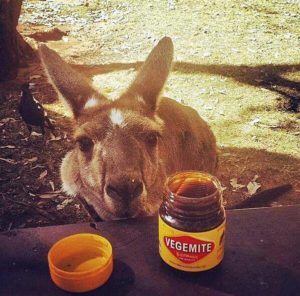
(129, 145)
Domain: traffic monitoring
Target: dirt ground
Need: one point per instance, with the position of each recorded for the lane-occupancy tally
(236, 62)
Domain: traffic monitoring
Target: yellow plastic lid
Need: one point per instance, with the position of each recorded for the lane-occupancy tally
(80, 262)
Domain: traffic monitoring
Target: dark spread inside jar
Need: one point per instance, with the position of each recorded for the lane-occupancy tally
(195, 188)
(192, 202)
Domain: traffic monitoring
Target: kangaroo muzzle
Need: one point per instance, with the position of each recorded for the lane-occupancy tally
(125, 190)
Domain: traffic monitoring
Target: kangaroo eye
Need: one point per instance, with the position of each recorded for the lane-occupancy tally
(152, 139)
(85, 144)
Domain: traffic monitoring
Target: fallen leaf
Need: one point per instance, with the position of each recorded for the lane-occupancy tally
(33, 159)
(64, 204)
(253, 187)
(51, 195)
(8, 160)
(43, 174)
(8, 146)
(37, 166)
(52, 185)
(41, 203)
(8, 119)
(235, 185)
(258, 80)
(53, 138)
(36, 134)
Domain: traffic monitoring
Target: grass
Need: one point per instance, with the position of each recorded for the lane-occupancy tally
(233, 61)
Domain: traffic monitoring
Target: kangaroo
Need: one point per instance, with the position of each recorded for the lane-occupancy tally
(126, 148)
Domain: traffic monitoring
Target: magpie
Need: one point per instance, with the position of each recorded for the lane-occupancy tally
(32, 112)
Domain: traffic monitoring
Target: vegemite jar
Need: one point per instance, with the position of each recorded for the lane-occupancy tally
(192, 222)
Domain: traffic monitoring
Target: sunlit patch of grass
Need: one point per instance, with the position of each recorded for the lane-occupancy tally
(293, 76)
(113, 84)
(80, 11)
(59, 108)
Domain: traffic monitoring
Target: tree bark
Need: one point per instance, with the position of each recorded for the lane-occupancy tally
(11, 42)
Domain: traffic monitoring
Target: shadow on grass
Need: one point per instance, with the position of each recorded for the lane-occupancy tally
(267, 76)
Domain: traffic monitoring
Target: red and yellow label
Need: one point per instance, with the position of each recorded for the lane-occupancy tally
(191, 251)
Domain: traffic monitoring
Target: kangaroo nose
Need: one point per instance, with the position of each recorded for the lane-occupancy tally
(124, 190)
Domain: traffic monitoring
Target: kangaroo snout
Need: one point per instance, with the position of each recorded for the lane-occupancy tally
(124, 190)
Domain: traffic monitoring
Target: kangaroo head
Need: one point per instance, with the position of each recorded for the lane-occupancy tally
(115, 162)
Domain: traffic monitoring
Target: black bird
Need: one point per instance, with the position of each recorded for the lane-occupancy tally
(32, 112)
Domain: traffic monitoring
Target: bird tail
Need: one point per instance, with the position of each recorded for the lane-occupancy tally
(263, 198)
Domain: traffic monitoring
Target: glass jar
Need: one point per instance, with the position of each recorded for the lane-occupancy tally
(192, 222)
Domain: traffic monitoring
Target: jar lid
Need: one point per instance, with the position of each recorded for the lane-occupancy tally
(80, 262)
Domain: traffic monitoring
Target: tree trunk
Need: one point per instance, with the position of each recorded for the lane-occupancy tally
(11, 42)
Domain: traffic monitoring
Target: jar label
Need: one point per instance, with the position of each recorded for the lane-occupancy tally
(191, 251)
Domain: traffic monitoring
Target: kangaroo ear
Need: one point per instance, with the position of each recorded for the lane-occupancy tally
(74, 87)
(154, 73)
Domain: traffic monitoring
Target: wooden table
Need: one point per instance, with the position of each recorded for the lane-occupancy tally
(262, 257)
